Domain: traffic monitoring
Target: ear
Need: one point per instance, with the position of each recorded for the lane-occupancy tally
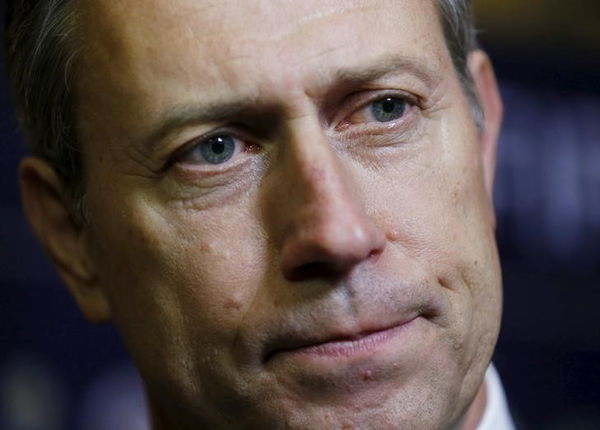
(486, 88)
(48, 209)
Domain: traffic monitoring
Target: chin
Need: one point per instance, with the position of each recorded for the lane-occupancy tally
(427, 400)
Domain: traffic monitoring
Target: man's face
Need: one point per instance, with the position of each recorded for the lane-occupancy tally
(288, 215)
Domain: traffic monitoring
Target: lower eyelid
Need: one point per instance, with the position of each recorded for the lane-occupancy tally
(199, 174)
(400, 129)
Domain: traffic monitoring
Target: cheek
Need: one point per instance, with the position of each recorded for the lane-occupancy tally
(432, 206)
(437, 215)
(172, 271)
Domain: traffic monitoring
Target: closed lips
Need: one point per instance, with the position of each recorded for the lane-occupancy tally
(341, 345)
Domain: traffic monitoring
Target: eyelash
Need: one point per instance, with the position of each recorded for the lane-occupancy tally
(343, 125)
(188, 148)
(365, 103)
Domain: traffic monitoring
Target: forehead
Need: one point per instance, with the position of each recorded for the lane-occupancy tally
(132, 35)
(146, 56)
(210, 24)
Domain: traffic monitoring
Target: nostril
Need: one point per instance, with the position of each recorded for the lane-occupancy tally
(310, 262)
(312, 271)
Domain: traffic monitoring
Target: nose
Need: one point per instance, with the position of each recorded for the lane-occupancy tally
(324, 229)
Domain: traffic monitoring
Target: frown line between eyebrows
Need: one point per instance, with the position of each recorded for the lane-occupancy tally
(347, 78)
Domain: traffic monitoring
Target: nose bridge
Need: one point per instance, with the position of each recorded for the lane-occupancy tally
(315, 171)
(321, 220)
(319, 184)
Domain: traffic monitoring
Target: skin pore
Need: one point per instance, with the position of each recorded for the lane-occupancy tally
(290, 211)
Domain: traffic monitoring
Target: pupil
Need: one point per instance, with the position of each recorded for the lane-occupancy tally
(218, 146)
(388, 106)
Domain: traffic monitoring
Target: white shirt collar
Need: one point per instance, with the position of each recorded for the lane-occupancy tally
(496, 415)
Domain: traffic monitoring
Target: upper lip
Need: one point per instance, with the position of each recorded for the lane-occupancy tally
(298, 340)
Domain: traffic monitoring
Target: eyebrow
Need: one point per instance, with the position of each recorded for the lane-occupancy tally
(387, 66)
(219, 111)
(180, 116)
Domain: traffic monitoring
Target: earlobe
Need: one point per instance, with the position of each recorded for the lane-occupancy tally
(486, 88)
(47, 209)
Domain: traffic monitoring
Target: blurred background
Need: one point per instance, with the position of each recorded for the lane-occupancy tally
(58, 372)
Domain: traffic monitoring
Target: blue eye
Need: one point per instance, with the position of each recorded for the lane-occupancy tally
(388, 109)
(216, 150)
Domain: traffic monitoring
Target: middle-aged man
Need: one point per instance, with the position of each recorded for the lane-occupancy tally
(285, 206)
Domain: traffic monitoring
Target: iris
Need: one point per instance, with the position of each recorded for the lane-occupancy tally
(388, 109)
(218, 149)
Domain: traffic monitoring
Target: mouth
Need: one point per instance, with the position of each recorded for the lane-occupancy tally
(342, 346)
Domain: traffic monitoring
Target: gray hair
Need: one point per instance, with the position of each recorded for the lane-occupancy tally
(41, 49)
(461, 38)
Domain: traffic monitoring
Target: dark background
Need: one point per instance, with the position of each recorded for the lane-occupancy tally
(59, 372)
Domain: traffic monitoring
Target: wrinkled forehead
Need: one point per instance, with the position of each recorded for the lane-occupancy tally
(144, 57)
(262, 19)
(232, 30)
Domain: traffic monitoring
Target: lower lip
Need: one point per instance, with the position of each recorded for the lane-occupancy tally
(354, 348)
